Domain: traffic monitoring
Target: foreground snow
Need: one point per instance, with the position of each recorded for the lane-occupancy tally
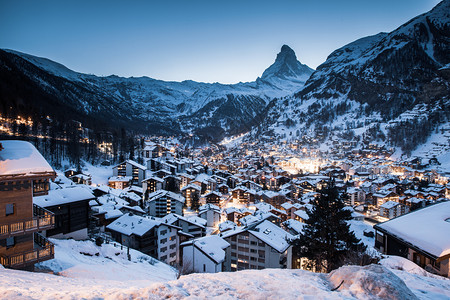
(85, 260)
(111, 276)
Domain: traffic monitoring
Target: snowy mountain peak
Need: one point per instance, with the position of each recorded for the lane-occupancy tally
(286, 66)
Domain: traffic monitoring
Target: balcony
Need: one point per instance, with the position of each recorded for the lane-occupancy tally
(43, 250)
(43, 219)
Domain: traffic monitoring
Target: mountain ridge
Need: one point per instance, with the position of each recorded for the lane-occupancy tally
(146, 99)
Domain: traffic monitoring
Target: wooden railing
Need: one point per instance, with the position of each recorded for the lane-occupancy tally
(43, 250)
(43, 219)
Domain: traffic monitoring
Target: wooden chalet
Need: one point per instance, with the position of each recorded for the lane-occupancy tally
(24, 173)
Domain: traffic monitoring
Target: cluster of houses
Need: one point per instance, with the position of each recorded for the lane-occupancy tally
(230, 211)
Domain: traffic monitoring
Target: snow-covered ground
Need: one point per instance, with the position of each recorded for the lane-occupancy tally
(100, 174)
(386, 281)
(84, 259)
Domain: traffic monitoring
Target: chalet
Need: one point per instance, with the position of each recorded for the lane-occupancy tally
(392, 209)
(172, 183)
(152, 150)
(131, 168)
(251, 185)
(206, 182)
(24, 173)
(211, 213)
(213, 198)
(162, 202)
(259, 246)
(227, 225)
(152, 184)
(132, 198)
(149, 235)
(356, 196)
(193, 226)
(191, 193)
(185, 179)
(223, 188)
(384, 196)
(258, 217)
(238, 194)
(120, 182)
(234, 214)
(78, 177)
(415, 203)
(271, 197)
(135, 210)
(206, 254)
(70, 206)
(421, 236)
(301, 215)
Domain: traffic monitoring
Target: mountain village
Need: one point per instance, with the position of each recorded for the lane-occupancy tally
(140, 188)
(235, 209)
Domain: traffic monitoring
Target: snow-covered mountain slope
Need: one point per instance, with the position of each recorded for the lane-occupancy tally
(391, 88)
(188, 105)
(390, 281)
(389, 68)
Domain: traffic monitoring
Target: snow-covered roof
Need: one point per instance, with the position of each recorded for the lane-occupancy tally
(129, 224)
(302, 214)
(208, 206)
(389, 204)
(227, 225)
(135, 164)
(213, 246)
(191, 186)
(295, 225)
(20, 157)
(120, 178)
(161, 193)
(112, 214)
(272, 235)
(63, 196)
(427, 228)
(172, 218)
(154, 178)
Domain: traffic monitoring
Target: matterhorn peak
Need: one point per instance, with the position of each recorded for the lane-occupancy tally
(286, 66)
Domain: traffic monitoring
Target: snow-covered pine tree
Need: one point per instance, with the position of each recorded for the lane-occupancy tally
(327, 241)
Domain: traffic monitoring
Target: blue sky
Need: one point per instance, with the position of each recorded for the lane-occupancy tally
(210, 41)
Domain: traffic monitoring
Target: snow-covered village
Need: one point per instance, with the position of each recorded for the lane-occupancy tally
(317, 180)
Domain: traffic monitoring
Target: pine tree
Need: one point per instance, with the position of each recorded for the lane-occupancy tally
(327, 240)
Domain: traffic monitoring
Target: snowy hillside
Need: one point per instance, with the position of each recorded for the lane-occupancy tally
(84, 259)
(390, 89)
(389, 281)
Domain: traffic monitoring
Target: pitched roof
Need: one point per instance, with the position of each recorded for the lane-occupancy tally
(20, 157)
(63, 196)
(272, 235)
(129, 224)
(427, 229)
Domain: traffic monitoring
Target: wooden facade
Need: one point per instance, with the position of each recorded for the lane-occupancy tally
(20, 244)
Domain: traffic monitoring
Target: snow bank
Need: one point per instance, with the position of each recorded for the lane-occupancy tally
(400, 263)
(370, 282)
(250, 284)
(88, 271)
(86, 260)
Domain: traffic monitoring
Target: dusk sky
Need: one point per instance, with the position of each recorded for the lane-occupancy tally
(209, 41)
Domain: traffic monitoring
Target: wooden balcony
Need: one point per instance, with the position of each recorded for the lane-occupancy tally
(43, 219)
(43, 250)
